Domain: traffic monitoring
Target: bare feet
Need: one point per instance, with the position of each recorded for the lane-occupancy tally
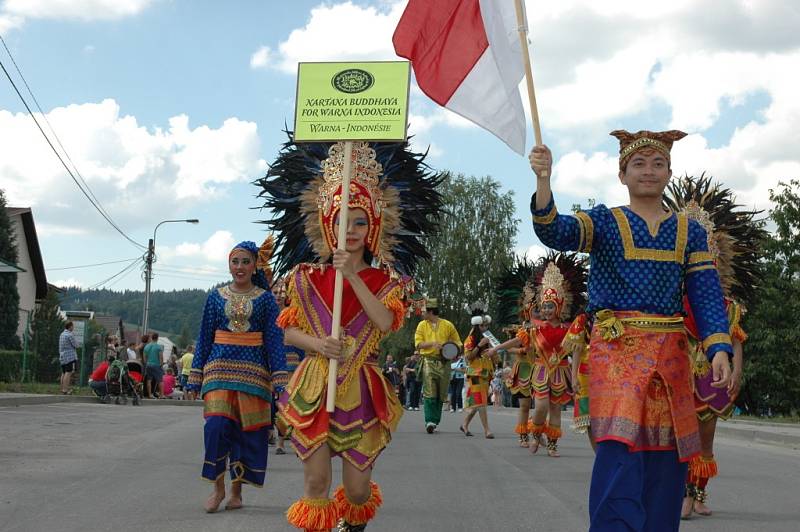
(235, 501)
(700, 508)
(213, 501)
(686, 507)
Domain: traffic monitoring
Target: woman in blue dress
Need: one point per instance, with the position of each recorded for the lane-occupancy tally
(239, 361)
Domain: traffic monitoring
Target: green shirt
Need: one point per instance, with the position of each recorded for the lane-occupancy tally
(152, 354)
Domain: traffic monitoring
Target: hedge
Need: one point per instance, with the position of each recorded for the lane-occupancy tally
(10, 366)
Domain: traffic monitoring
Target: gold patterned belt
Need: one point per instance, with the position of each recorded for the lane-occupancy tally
(612, 326)
(238, 338)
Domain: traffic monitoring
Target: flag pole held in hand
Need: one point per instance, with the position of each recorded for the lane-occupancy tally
(526, 60)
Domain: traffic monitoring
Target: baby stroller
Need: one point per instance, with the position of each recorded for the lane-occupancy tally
(120, 383)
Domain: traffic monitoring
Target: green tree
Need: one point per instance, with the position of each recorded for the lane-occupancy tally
(46, 328)
(772, 355)
(9, 297)
(474, 244)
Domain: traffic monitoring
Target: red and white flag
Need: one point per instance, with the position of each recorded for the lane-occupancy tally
(466, 57)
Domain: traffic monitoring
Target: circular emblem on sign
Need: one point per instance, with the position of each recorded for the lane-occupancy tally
(352, 80)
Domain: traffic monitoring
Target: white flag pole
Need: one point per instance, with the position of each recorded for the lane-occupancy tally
(522, 26)
(333, 365)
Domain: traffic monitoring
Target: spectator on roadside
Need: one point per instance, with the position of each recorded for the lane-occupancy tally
(97, 380)
(130, 352)
(391, 372)
(169, 386)
(457, 369)
(412, 383)
(153, 372)
(186, 369)
(140, 347)
(67, 357)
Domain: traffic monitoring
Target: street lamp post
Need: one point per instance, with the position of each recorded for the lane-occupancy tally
(148, 271)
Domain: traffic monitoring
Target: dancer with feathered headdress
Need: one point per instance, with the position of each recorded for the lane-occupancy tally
(559, 283)
(393, 203)
(734, 237)
(516, 300)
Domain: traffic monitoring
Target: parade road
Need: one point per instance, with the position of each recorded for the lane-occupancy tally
(86, 467)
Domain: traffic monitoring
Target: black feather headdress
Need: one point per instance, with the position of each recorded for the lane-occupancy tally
(410, 204)
(734, 234)
(510, 288)
(566, 273)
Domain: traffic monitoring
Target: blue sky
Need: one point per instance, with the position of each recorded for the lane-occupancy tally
(170, 108)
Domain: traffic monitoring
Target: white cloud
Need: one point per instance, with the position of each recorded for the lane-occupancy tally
(45, 230)
(532, 252)
(260, 58)
(137, 173)
(342, 32)
(589, 177)
(64, 283)
(75, 9)
(207, 261)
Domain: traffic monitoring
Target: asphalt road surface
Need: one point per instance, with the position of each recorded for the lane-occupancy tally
(87, 467)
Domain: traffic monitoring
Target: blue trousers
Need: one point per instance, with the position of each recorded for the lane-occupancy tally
(635, 491)
(227, 445)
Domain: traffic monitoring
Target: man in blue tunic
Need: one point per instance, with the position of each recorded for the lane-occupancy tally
(643, 258)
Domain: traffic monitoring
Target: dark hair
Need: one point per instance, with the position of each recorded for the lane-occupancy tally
(154, 336)
(68, 325)
(145, 338)
(434, 311)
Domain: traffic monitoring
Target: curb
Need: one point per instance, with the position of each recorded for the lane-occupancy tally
(756, 435)
(29, 399)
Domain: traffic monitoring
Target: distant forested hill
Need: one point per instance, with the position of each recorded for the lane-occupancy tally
(177, 312)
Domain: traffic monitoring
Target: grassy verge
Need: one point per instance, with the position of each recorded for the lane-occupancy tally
(40, 387)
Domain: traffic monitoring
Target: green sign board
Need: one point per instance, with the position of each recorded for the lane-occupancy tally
(352, 101)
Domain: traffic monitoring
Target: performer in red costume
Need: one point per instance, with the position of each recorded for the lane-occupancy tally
(392, 203)
(559, 282)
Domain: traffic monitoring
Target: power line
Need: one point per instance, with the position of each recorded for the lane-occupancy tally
(52, 130)
(89, 265)
(88, 197)
(124, 270)
(191, 272)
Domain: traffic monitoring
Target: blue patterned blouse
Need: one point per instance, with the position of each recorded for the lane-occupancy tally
(634, 269)
(221, 362)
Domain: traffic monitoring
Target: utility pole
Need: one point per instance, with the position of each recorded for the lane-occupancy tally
(148, 276)
(148, 268)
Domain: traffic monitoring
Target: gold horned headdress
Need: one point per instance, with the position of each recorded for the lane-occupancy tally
(630, 143)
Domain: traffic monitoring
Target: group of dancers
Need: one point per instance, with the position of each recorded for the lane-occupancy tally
(666, 287)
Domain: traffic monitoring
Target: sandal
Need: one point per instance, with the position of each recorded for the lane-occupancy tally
(489, 436)
(536, 441)
(279, 451)
(466, 432)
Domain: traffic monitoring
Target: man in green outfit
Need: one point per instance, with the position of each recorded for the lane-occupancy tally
(431, 334)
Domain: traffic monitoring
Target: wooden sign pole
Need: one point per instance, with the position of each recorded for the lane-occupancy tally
(333, 365)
